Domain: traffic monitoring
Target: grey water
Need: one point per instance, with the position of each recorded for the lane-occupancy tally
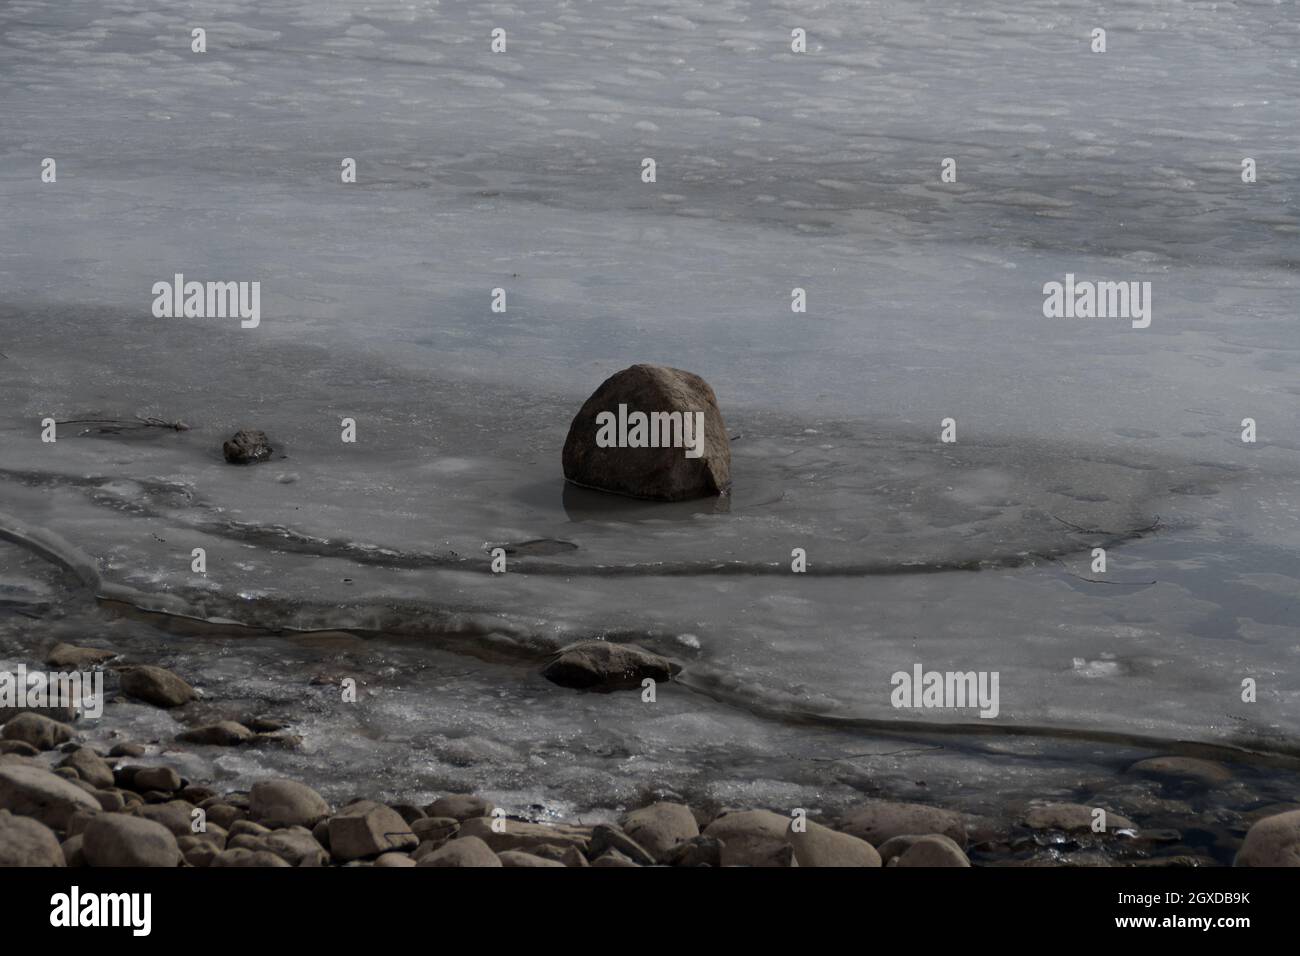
(775, 170)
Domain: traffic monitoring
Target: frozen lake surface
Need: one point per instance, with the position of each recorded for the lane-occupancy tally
(775, 170)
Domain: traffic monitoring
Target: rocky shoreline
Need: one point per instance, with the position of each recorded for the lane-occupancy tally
(65, 803)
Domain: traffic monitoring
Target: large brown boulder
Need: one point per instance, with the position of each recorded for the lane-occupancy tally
(27, 842)
(157, 686)
(640, 435)
(37, 793)
(1272, 841)
(115, 839)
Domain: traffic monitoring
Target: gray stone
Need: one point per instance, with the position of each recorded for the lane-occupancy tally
(295, 845)
(241, 856)
(460, 806)
(368, 829)
(110, 800)
(896, 846)
(463, 851)
(157, 686)
(520, 858)
(661, 473)
(605, 666)
(1071, 816)
(612, 857)
(223, 814)
(605, 837)
(661, 827)
(71, 850)
(821, 846)
(19, 748)
(117, 839)
(1272, 841)
(161, 779)
(69, 657)
(436, 830)
(932, 850)
(224, 733)
(1193, 770)
(176, 815)
(198, 852)
(90, 767)
(247, 446)
(37, 731)
(33, 792)
(27, 842)
(752, 838)
(286, 803)
(518, 835)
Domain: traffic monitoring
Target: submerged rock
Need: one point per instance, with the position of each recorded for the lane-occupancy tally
(650, 431)
(1071, 816)
(73, 658)
(224, 733)
(1185, 770)
(247, 446)
(603, 665)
